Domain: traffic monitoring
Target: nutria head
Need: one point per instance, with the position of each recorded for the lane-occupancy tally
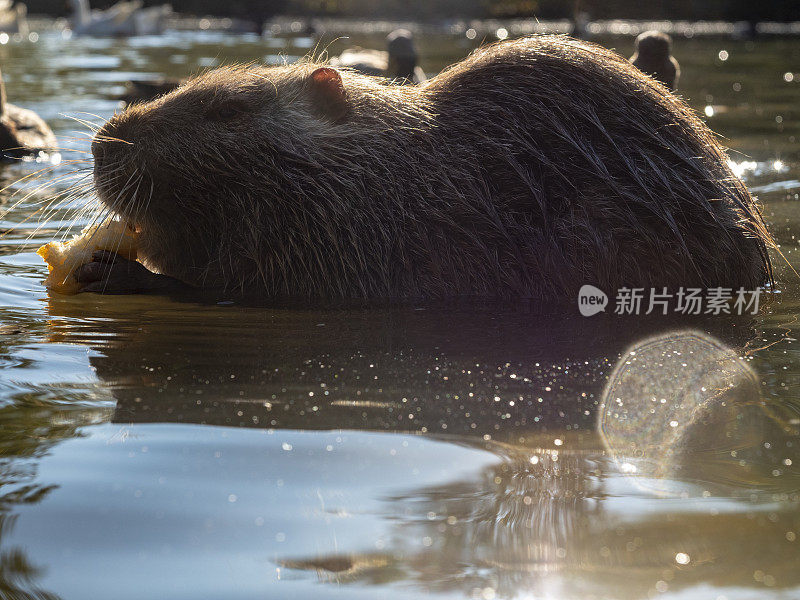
(218, 173)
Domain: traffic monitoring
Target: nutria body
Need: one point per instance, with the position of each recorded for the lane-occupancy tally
(22, 131)
(527, 170)
(653, 56)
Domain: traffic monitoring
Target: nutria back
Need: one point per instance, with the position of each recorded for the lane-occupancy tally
(527, 170)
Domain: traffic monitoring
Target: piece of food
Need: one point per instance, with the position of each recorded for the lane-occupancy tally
(63, 258)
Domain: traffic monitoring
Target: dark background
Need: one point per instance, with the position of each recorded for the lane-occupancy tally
(730, 10)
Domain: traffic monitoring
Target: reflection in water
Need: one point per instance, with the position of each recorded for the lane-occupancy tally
(563, 529)
(33, 418)
(555, 523)
(27, 436)
(556, 516)
(469, 369)
(17, 574)
(372, 568)
(17, 577)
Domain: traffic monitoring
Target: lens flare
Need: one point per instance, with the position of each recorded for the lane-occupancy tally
(669, 400)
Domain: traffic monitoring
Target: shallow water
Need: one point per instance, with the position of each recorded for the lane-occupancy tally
(158, 449)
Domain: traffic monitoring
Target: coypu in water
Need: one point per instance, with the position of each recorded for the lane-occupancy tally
(398, 62)
(653, 55)
(528, 169)
(22, 131)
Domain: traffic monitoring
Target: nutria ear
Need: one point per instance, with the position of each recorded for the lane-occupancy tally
(328, 93)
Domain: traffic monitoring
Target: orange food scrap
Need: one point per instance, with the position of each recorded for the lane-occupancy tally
(64, 257)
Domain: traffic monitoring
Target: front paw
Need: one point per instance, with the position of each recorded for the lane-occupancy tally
(109, 273)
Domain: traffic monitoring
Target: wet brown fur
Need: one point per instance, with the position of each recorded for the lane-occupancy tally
(527, 170)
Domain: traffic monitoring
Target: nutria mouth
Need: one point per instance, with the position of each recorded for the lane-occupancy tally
(529, 169)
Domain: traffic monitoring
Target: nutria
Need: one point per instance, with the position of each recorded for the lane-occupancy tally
(398, 62)
(22, 131)
(528, 169)
(653, 55)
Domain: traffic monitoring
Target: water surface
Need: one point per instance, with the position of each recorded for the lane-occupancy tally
(152, 448)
